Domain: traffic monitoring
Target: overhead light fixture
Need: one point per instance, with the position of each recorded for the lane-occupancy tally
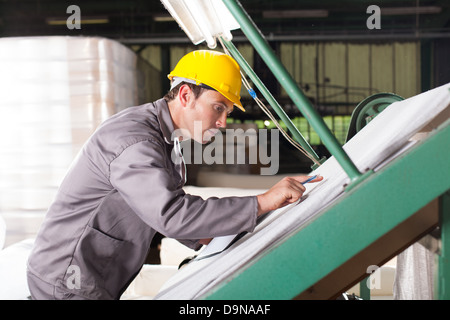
(410, 10)
(85, 20)
(202, 20)
(163, 18)
(287, 14)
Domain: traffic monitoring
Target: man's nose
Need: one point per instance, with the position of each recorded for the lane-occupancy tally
(222, 121)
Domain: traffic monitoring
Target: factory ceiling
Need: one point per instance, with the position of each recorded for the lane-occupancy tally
(147, 21)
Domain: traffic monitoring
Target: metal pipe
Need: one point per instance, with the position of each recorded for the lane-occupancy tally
(294, 92)
(270, 99)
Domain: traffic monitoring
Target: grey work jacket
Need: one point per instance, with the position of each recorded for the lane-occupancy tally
(122, 188)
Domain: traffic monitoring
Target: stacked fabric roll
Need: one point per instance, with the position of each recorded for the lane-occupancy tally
(55, 92)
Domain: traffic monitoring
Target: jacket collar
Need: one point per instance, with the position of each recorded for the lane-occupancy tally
(165, 120)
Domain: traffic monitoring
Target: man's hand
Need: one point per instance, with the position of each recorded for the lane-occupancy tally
(205, 241)
(285, 192)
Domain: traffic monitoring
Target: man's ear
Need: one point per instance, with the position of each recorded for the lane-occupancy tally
(185, 95)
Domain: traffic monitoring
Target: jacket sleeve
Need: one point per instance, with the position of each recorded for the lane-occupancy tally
(141, 174)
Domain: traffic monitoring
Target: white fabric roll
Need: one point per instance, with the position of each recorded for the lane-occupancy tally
(2, 232)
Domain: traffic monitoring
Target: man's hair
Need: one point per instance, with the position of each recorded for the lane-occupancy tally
(172, 94)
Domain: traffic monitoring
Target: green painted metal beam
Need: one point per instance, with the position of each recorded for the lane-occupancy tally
(443, 280)
(364, 214)
(300, 100)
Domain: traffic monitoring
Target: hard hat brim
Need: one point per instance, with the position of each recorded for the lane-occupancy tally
(235, 100)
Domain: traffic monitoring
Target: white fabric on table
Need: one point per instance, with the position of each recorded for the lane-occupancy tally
(13, 266)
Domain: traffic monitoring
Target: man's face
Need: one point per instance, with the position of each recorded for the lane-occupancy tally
(206, 114)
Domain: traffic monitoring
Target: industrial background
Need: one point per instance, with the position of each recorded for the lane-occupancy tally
(326, 46)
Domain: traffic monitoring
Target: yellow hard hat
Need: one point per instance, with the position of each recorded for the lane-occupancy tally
(214, 69)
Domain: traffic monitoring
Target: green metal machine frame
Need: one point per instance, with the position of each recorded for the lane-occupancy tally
(442, 290)
(358, 227)
(353, 223)
(312, 253)
(368, 109)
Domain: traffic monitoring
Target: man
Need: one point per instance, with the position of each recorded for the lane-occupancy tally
(124, 186)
